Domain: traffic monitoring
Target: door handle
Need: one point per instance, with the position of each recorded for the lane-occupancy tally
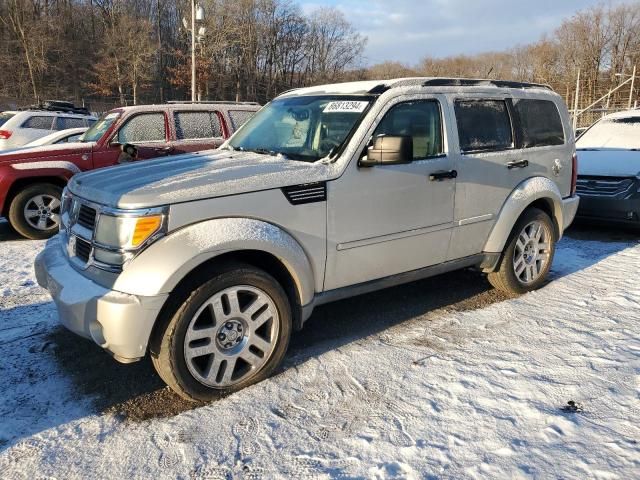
(518, 164)
(167, 149)
(443, 175)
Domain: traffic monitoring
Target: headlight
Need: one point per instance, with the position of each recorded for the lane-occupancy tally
(128, 231)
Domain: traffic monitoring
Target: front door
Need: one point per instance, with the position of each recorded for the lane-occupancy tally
(146, 131)
(390, 219)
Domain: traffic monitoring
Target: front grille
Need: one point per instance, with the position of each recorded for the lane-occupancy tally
(83, 249)
(87, 217)
(605, 186)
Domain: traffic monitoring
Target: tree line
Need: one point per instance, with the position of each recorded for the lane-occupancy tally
(139, 51)
(116, 52)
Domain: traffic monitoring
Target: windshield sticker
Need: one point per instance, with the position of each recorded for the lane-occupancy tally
(345, 106)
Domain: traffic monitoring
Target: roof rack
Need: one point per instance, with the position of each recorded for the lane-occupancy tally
(454, 82)
(58, 106)
(211, 102)
(472, 82)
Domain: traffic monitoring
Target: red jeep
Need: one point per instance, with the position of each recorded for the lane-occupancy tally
(32, 179)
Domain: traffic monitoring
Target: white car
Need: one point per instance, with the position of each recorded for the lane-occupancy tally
(609, 170)
(69, 135)
(17, 128)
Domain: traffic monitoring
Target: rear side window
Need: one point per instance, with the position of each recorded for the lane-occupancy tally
(41, 123)
(419, 120)
(148, 127)
(239, 117)
(483, 125)
(62, 123)
(193, 125)
(540, 123)
(4, 117)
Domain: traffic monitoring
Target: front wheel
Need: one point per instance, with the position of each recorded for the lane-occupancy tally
(527, 257)
(231, 331)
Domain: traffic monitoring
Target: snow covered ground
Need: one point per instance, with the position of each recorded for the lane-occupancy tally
(413, 387)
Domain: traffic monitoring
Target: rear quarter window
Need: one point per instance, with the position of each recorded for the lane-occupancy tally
(4, 117)
(483, 125)
(540, 123)
(41, 123)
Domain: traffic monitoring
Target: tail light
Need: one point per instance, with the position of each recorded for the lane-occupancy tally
(5, 134)
(574, 173)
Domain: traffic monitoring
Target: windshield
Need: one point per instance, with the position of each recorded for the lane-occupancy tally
(621, 132)
(304, 128)
(97, 129)
(4, 116)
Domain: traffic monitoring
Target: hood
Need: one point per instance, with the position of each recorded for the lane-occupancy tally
(609, 162)
(195, 176)
(45, 151)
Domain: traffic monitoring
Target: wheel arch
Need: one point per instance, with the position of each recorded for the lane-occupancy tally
(20, 183)
(536, 192)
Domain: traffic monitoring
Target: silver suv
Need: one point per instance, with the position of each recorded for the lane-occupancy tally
(210, 260)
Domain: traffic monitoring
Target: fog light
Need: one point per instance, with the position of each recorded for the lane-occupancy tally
(111, 258)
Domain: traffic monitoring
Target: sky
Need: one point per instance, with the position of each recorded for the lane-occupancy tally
(409, 30)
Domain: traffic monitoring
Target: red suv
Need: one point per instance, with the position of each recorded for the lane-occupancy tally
(32, 179)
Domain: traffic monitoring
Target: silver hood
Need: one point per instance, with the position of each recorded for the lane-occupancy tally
(193, 176)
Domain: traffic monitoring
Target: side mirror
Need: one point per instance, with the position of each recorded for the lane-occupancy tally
(388, 150)
(115, 143)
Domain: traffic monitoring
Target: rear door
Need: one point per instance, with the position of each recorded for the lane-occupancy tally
(196, 130)
(489, 164)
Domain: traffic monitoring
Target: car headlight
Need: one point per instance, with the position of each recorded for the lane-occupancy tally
(129, 231)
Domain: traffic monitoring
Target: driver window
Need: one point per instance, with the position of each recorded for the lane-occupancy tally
(419, 120)
(148, 127)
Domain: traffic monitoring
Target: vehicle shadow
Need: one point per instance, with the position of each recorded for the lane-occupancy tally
(135, 393)
(7, 233)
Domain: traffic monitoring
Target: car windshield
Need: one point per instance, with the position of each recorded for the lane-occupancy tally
(4, 116)
(620, 132)
(305, 128)
(97, 129)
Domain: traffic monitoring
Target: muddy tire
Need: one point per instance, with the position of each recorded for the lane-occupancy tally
(231, 331)
(528, 254)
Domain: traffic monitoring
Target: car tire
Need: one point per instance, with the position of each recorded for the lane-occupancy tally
(35, 211)
(213, 343)
(528, 254)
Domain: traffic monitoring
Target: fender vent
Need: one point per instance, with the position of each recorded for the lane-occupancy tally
(308, 193)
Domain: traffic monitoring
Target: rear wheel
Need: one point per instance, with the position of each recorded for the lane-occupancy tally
(528, 255)
(231, 331)
(35, 211)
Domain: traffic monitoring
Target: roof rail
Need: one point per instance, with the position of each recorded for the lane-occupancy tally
(210, 102)
(60, 106)
(472, 82)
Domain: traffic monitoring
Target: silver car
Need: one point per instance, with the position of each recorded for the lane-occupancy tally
(209, 261)
(17, 128)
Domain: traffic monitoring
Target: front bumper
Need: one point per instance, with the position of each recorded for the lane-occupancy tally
(119, 322)
(610, 210)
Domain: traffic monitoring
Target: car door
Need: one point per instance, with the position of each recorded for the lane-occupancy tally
(146, 131)
(196, 130)
(390, 219)
(489, 167)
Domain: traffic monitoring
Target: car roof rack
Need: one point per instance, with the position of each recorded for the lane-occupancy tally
(60, 106)
(454, 82)
(210, 102)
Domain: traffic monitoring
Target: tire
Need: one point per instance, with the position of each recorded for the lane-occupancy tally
(524, 265)
(43, 201)
(205, 337)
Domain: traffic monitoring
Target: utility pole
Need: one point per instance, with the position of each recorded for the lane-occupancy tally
(575, 103)
(193, 50)
(633, 81)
